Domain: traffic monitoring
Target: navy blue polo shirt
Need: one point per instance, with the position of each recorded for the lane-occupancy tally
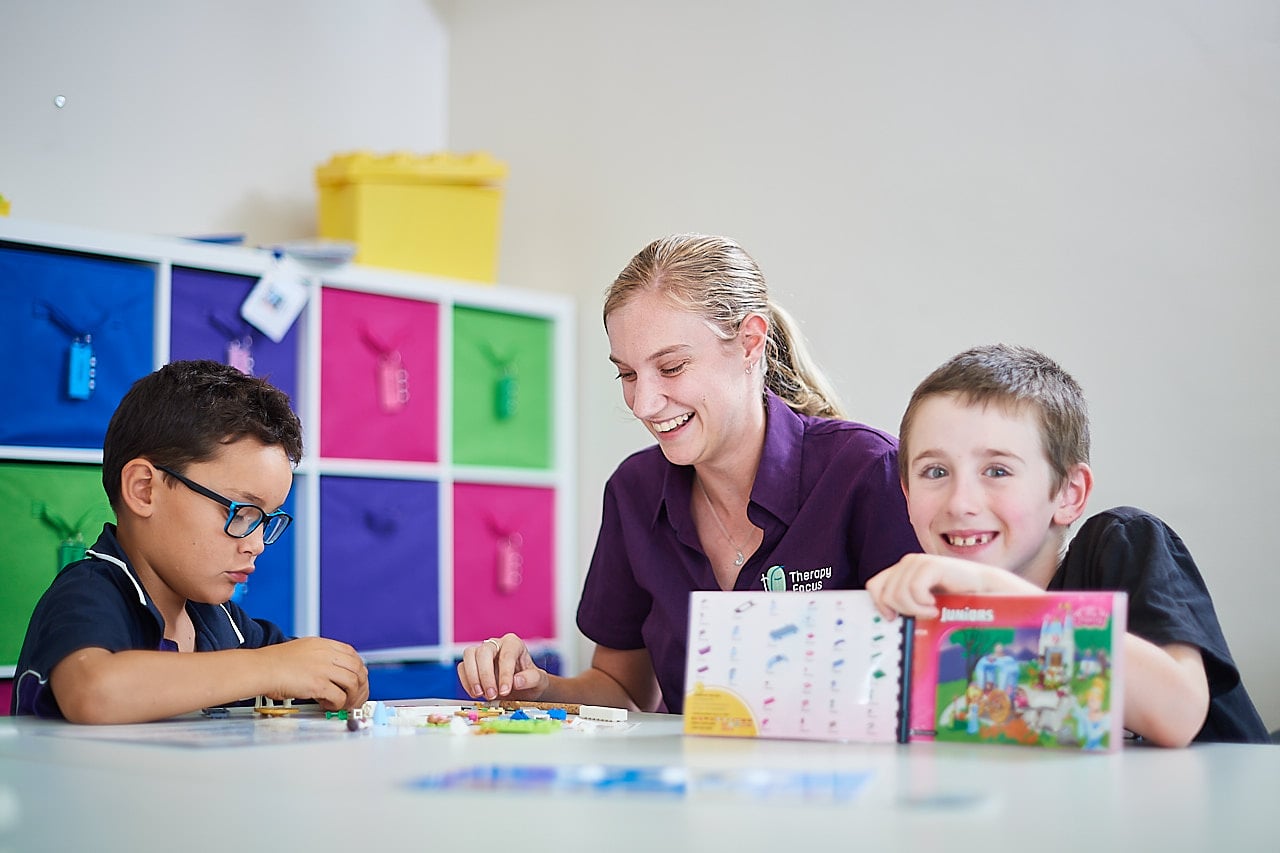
(826, 495)
(99, 603)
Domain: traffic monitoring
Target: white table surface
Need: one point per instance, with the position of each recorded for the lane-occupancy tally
(65, 787)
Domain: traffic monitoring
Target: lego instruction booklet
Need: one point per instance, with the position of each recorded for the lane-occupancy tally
(1042, 670)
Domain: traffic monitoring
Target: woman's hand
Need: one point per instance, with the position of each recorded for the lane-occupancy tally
(501, 668)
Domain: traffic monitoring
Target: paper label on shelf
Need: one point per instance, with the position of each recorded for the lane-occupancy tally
(275, 301)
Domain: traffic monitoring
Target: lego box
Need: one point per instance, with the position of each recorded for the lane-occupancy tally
(435, 213)
(1036, 670)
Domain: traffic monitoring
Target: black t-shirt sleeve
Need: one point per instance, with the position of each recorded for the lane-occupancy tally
(1131, 550)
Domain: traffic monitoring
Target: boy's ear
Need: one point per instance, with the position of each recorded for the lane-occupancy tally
(1074, 494)
(138, 483)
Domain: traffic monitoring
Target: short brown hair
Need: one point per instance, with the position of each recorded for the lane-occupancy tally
(1012, 377)
(182, 412)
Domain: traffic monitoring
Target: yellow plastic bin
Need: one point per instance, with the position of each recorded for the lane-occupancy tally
(434, 213)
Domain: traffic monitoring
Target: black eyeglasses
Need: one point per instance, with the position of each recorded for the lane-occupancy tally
(242, 518)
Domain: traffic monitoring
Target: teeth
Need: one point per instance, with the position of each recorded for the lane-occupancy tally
(970, 541)
(667, 426)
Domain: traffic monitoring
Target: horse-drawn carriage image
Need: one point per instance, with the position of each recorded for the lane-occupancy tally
(1020, 683)
(1032, 670)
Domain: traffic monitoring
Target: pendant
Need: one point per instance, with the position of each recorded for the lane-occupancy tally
(240, 354)
(738, 559)
(81, 367)
(504, 401)
(393, 382)
(510, 563)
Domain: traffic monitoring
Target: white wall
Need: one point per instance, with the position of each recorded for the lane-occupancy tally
(201, 117)
(1096, 179)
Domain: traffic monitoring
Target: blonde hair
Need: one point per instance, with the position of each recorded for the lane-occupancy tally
(717, 279)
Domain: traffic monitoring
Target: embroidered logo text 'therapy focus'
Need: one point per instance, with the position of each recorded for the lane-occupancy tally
(780, 579)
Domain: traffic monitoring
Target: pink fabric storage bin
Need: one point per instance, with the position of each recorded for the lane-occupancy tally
(503, 561)
(378, 377)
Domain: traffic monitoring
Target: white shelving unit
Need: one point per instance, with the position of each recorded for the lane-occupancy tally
(547, 388)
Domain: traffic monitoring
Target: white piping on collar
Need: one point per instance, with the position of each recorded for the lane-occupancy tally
(234, 626)
(142, 596)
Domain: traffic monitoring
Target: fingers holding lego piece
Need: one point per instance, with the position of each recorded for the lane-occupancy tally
(500, 667)
(475, 671)
(328, 671)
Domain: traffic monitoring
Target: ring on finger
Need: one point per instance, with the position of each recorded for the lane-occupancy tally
(497, 645)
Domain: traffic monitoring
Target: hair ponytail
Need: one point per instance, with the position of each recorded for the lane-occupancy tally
(791, 372)
(716, 278)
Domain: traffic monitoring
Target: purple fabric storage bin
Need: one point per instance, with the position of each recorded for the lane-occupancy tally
(206, 323)
(379, 562)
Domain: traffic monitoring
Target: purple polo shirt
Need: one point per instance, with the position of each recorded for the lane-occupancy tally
(826, 496)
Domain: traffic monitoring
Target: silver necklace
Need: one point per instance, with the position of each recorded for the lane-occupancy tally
(738, 559)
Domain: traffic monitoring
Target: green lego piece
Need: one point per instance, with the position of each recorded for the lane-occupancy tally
(508, 726)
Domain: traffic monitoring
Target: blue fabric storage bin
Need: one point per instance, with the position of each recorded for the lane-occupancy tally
(206, 323)
(46, 299)
(414, 681)
(431, 680)
(269, 594)
(379, 562)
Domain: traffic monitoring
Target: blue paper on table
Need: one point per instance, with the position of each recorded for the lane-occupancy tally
(672, 781)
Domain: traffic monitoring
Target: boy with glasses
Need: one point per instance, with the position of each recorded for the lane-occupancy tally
(196, 462)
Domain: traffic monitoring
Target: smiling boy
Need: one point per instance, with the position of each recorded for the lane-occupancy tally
(197, 460)
(994, 461)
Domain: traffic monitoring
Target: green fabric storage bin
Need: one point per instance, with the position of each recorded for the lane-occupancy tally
(32, 552)
(502, 389)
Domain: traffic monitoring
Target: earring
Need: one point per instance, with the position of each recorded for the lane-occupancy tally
(748, 368)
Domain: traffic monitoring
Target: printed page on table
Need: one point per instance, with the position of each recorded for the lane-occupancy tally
(1037, 670)
(812, 666)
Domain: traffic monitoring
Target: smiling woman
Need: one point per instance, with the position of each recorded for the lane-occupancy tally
(792, 496)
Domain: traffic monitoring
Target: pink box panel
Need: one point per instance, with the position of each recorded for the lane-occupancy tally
(379, 363)
(504, 559)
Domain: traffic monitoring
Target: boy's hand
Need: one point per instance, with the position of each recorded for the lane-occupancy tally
(330, 672)
(908, 586)
(501, 668)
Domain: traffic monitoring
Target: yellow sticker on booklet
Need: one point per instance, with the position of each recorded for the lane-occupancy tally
(716, 711)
